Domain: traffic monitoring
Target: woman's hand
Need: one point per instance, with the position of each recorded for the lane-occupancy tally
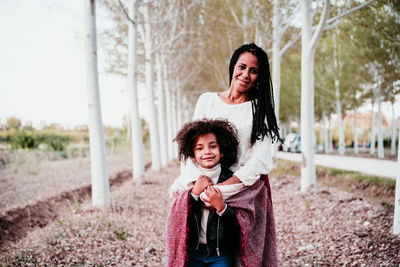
(232, 180)
(214, 197)
(201, 183)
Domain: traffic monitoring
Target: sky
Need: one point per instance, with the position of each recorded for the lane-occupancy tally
(42, 66)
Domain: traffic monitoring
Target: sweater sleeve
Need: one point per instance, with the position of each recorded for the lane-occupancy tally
(200, 109)
(257, 162)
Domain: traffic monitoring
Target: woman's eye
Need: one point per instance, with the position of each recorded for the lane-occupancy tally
(241, 67)
(198, 148)
(213, 146)
(254, 71)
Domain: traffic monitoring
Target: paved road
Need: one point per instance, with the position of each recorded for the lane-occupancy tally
(377, 167)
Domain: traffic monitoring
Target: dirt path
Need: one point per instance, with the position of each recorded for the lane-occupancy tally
(326, 227)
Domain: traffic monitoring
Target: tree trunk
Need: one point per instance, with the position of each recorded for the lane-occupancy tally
(355, 141)
(98, 165)
(276, 72)
(396, 216)
(381, 153)
(321, 137)
(168, 100)
(326, 138)
(308, 176)
(245, 22)
(161, 113)
(340, 119)
(153, 126)
(330, 141)
(174, 119)
(393, 138)
(138, 170)
(373, 134)
(308, 45)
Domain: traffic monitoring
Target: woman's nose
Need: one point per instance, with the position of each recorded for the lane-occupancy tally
(246, 73)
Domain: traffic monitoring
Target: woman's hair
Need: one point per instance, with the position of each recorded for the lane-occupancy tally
(261, 95)
(225, 132)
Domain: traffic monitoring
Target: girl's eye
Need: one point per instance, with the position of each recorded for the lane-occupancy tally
(241, 67)
(198, 148)
(213, 146)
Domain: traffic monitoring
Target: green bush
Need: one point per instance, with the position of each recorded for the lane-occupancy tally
(56, 142)
(23, 139)
(31, 139)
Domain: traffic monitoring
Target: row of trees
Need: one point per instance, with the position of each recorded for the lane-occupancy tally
(181, 48)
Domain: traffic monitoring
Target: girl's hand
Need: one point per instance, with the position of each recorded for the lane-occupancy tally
(232, 180)
(201, 183)
(214, 197)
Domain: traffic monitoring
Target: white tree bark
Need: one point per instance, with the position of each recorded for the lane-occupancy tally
(340, 119)
(396, 216)
(138, 164)
(161, 113)
(330, 141)
(276, 71)
(174, 119)
(355, 132)
(168, 100)
(342, 144)
(98, 165)
(373, 134)
(393, 138)
(381, 153)
(308, 46)
(326, 138)
(321, 136)
(153, 126)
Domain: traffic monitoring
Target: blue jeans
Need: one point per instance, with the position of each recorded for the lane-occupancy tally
(201, 258)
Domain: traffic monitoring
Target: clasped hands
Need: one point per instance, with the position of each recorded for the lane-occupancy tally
(212, 195)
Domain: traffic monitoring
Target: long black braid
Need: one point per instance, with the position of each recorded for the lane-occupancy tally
(261, 95)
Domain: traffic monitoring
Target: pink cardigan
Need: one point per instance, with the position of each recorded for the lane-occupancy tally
(258, 243)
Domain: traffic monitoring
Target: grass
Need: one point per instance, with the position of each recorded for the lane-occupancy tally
(378, 181)
(377, 189)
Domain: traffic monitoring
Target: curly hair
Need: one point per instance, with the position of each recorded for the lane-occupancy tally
(224, 131)
(261, 95)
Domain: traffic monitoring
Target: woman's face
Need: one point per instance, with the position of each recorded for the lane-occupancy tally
(245, 73)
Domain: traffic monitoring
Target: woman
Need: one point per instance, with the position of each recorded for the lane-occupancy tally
(248, 105)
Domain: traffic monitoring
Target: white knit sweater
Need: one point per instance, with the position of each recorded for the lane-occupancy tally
(252, 160)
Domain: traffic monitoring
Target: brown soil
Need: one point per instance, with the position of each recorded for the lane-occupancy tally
(324, 227)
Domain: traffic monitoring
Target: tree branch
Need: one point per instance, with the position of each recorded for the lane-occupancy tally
(289, 44)
(332, 20)
(126, 12)
(320, 27)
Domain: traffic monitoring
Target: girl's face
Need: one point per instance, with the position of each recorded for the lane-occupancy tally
(206, 151)
(245, 73)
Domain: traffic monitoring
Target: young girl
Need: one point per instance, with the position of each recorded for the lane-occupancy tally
(213, 237)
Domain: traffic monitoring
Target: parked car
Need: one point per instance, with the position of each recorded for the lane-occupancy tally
(292, 143)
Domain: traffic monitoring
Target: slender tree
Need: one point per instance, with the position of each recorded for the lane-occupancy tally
(309, 40)
(396, 216)
(100, 184)
(138, 163)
